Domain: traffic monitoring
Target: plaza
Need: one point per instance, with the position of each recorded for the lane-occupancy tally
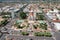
(30, 21)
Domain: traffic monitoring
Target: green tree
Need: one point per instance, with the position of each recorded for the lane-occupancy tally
(35, 26)
(43, 26)
(23, 15)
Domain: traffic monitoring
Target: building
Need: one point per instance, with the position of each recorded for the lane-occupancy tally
(56, 25)
(13, 9)
(54, 15)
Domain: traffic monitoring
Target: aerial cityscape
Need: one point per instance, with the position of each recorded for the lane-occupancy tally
(29, 19)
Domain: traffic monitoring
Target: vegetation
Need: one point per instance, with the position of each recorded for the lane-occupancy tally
(6, 16)
(5, 13)
(43, 26)
(35, 26)
(46, 34)
(58, 8)
(39, 34)
(40, 16)
(4, 22)
(23, 15)
(20, 27)
(25, 33)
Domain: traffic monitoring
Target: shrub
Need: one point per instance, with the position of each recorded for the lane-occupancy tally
(3, 23)
(43, 26)
(35, 26)
(6, 16)
(39, 34)
(46, 34)
(20, 26)
(25, 33)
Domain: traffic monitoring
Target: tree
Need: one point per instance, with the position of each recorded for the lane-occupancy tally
(35, 26)
(20, 27)
(23, 15)
(43, 26)
(40, 16)
(3, 23)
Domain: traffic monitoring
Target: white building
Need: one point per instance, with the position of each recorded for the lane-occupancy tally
(57, 26)
(53, 14)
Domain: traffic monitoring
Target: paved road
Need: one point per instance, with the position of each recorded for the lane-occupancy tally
(29, 37)
(3, 37)
(57, 35)
(9, 25)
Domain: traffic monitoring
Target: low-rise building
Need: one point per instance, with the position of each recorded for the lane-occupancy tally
(56, 25)
(54, 15)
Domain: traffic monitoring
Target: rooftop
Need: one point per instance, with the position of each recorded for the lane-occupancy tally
(57, 25)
